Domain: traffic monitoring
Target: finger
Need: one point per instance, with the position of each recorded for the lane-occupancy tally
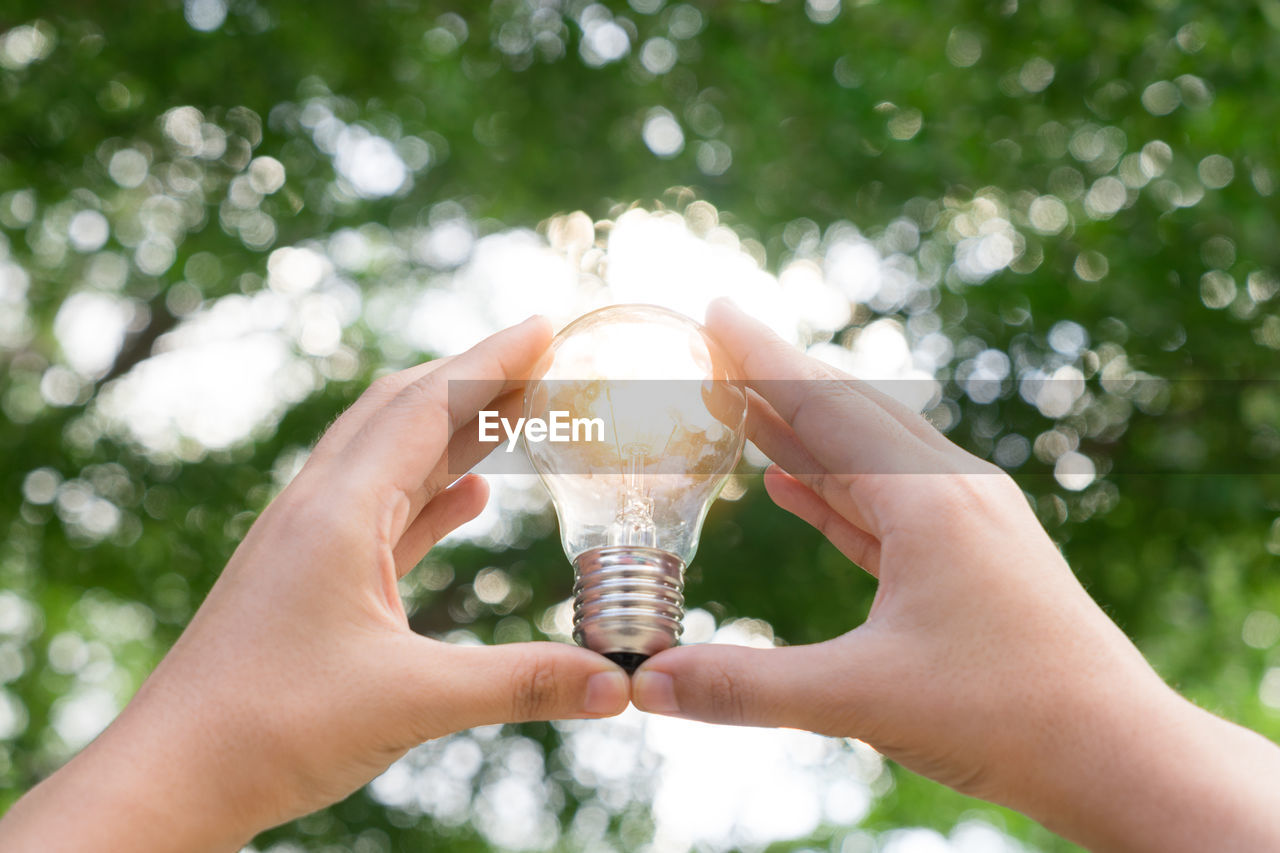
(402, 443)
(798, 499)
(917, 423)
(446, 512)
(765, 356)
(380, 392)
(803, 687)
(465, 449)
(777, 440)
(451, 687)
(848, 435)
(809, 396)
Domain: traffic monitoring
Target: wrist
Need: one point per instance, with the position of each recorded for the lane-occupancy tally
(1144, 769)
(150, 782)
(1092, 775)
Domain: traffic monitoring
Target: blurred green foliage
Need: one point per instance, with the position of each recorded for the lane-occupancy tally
(1129, 152)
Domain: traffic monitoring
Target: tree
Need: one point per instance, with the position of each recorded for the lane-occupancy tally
(1064, 211)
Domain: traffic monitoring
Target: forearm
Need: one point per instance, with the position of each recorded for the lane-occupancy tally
(1160, 774)
(137, 788)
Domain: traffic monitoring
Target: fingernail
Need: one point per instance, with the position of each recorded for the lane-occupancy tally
(604, 692)
(654, 691)
(720, 303)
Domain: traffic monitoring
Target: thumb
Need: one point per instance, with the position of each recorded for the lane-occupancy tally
(515, 682)
(814, 687)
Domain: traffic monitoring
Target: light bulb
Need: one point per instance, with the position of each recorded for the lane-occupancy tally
(655, 421)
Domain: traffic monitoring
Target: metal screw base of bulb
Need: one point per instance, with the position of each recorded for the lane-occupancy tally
(627, 602)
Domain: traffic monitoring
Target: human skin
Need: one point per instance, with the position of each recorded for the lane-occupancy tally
(299, 680)
(983, 663)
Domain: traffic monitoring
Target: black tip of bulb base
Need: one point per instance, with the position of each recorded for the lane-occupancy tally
(630, 661)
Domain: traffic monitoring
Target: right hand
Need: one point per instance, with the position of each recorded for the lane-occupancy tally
(983, 663)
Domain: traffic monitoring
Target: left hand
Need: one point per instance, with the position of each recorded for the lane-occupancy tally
(299, 680)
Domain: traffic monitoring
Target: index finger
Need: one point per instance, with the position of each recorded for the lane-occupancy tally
(860, 448)
(821, 405)
(377, 395)
(400, 445)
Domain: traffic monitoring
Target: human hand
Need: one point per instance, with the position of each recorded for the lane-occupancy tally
(983, 663)
(299, 680)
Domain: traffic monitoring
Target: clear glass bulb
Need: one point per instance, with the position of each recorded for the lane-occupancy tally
(657, 428)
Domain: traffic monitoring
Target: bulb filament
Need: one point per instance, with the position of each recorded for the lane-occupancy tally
(635, 516)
